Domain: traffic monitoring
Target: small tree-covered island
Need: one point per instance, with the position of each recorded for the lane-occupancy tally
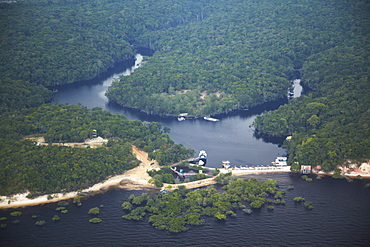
(210, 57)
(177, 210)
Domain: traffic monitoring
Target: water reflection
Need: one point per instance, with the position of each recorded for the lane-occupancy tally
(230, 139)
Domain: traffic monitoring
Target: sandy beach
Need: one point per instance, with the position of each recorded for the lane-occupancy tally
(134, 179)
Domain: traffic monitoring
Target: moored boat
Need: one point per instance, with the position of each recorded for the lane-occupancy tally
(211, 119)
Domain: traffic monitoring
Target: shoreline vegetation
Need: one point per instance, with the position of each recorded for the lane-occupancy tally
(204, 64)
(133, 179)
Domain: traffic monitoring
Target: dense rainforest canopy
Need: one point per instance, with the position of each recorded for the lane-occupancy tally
(50, 169)
(210, 57)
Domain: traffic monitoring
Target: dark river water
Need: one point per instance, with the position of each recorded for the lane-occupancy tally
(229, 139)
(341, 214)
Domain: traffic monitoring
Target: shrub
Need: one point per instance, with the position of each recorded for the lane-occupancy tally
(15, 221)
(34, 216)
(231, 213)
(216, 172)
(298, 199)
(247, 210)
(257, 204)
(270, 207)
(304, 177)
(290, 187)
(126, 206)
(94, 211)
(60, 208)
(40, 223)
(2, 225)
(95, 220)
(3, 218)
(220, 216)
(64, 211)
(62, 203)
(279, 201)
(55, 218)
(49, 197)
(337, 175)
(158, 183)
(308, 179)
(16, 213)
(77, 199)
(32, 195)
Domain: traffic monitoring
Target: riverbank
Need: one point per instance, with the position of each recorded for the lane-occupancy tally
(134, 179)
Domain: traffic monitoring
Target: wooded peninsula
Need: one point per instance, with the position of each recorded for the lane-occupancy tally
(210, 57)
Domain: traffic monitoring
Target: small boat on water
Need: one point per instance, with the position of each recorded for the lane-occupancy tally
(226, 164)
(280, 162)
(211, 119)
(180, 119)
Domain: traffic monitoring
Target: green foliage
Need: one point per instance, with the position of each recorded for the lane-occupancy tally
(126, 206)
(329, 125)
(247, 210)
(257, 203)
(298, 199)
(224, 178)
(337, 174)
(50, 169)
(163, 175)
(60, 208)
(16, 213)
(197, 177)
(77, 200)
(63, 203)
(21, 94)
(216, 172)
(220, 216)
(95, 220)
(174, 211)
(16, 222)
(138, 200)
(40, 223)
(64, 211)
(94, 211)
(308, 179)
(55, 218)
(3, 218)
(270, 207)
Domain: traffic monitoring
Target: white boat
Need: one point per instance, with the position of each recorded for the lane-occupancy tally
(181, 119)
(280, 162)
(211, 119)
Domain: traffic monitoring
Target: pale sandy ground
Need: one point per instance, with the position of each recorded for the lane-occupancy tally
(134, 179)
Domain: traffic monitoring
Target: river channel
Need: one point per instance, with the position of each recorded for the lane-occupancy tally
(341, 214)
(231, 138)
